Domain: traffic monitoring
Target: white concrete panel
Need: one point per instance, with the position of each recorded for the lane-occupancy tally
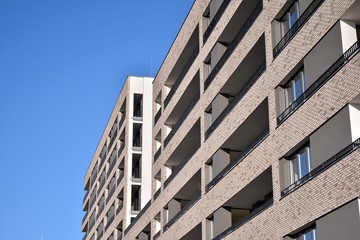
(348, 34)
(355, 121)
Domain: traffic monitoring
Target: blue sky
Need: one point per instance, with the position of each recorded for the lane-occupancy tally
(62, 65)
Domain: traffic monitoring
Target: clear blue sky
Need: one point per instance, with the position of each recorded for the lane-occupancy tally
(62, 65)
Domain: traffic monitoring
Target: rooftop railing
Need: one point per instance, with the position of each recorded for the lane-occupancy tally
(215, 20)
(296, 27)
(245, 219)
(331, 71)
(239, 36)
(181, 212)
(181, 76)
(321, 168)
(236, 161)
(182, 164)
(236, 99)
(182, 118)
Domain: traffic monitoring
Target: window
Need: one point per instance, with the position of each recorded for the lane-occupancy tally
(290, 17)
(294, 88)
(307, 234)
(300, 164)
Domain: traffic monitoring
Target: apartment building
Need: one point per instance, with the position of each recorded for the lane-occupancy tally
(118, 180)
(256, 124)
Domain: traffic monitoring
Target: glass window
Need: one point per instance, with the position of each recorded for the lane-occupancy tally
(300, 165)
(309, 234)
(290, 17)
(295, 88)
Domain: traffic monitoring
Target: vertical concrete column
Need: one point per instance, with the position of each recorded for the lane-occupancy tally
(174, 207)
(220, 160)
(222, 220)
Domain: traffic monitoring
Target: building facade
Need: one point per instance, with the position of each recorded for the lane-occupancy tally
(118, 180)
(256, 124)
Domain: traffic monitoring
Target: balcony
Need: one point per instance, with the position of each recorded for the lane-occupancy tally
(121, 176)
(182, 155)
(238, 146)
(195, 233)
(111, 217)
(137, 114)
(120, 207)
(101, 206)
(92, 199)
(93, 176)
(183, 107)
(183, 200)
(333, 141)
(123, 115)
(112, 139)
(112, 187)
(157, 116)
(243, 78)
(315, 86)
(157, 154)
(250, 201)
(212, 16)
(243, 19)
(92, 221)
(157, 193)
(145, 233)
(285, 39)
(157, 235)
(182, 66)
(139, 215)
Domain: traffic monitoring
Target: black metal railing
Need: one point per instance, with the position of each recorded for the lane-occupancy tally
(215, 20)
(157, 154)
(121, 149)
(182, 118)
(142, 211)
(182, 164)
(86, 195)
(109, 222)
(245, 219)
(236, 161)
(112, 140)
(157, 235)
(121, 176)
(120, 207)
(296, 27)
(331, 71)
(157, 116)
(239, 36)
(111, 192)
(182, 212)
(321, 168)
(111, 167)
(157, 193)
(85, 216)
(236, 99)
(181, 76)
(122, 120)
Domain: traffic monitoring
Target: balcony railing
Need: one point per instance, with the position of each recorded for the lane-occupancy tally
(182, 164)
(181, 76)
(119, 208)
(142, 211)
(182, 118)
(296, 27)
(181, 212)
(215, 20)
(157, 193)
(121, 149)
(121, 176)
(321, 168)
(239, 36)
(157, 116)
(157, 154)
(109, 222)
(245, 219)
(112, 140)
(236, 161)
(157, 235)
(331, 71)
(111, 167)
(111, 192)
(236, 99)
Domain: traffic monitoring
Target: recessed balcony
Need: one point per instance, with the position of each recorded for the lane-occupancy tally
(194, 233)
(249, 70)
(182, 66)
(239, 145)
(145, 233)
(183, 107)
(240, 23)
(183, 153)
(183, 200)
(243, 206)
